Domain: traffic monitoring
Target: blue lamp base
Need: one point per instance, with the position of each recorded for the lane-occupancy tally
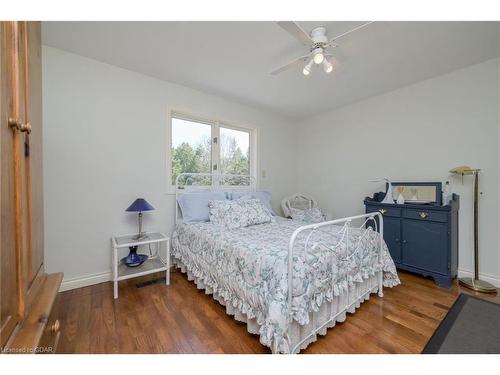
(133, 259)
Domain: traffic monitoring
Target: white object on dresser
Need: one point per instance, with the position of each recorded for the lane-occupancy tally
(388, 195)
(155, 263)
(401, 199)
(447, 195)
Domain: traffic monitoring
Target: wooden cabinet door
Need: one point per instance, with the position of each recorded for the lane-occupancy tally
(9, 314)
(31, 107)
(392, 235)
(425, 244)
(21, 252)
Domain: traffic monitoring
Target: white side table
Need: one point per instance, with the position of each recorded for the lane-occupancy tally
(158, 261)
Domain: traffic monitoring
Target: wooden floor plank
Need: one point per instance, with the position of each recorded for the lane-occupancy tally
(181, 318)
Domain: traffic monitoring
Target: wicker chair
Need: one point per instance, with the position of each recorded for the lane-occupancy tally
(298, 201)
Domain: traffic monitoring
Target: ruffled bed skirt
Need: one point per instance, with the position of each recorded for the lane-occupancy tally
(297, 333)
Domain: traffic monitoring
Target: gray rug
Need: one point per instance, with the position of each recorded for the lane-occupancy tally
(472, 326)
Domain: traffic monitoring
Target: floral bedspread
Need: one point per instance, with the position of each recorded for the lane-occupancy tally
(248, 267)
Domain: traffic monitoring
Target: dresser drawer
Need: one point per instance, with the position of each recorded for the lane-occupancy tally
(40, 330)
(385, 211)
(52, 332)
(426, 215)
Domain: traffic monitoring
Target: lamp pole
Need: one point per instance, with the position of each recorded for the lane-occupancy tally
(140, 225)
(476, 225)
(140, 235)
(475, 283)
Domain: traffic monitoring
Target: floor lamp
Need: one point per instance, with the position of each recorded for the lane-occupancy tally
(473, 282)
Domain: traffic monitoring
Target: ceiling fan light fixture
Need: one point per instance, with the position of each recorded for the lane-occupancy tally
(327, 66)
(320, 46)
(307, 69)
(318, 56)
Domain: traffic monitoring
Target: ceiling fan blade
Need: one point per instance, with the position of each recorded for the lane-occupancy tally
(290, 64)
(350, 31)
(294, 30)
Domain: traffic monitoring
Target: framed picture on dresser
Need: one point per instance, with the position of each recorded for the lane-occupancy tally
(418, 192)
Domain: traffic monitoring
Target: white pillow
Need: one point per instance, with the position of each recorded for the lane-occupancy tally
(194, 206)
(239, 213)
(264, 196)
(309, 215)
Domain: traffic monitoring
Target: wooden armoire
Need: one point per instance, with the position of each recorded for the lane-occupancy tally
(27, 292)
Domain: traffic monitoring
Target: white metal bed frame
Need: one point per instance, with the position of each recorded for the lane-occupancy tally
(346, 222)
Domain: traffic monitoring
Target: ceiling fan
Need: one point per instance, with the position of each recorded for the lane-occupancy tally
(318, 44)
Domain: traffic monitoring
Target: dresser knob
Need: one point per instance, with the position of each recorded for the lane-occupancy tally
(382, 211)
(54, 328)
(423, 215)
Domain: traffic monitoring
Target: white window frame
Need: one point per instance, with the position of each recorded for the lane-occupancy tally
(215, 124)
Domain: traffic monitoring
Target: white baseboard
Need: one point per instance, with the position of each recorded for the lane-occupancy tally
(80, 282)
(483, 276)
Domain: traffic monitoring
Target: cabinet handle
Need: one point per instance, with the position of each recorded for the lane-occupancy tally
(396, 239)
(54, 328)
(382, 211)
(423, 215)
(18, 125)
(404, 241)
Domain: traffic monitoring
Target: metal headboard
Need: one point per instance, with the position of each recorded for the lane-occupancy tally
(197, 182)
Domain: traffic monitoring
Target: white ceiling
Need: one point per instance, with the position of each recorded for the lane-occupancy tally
(233, 59)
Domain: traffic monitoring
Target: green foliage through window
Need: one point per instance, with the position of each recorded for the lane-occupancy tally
(192, 153)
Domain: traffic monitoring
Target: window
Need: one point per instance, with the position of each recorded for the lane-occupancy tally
(234, 151)
(191, 147)
(203, 146)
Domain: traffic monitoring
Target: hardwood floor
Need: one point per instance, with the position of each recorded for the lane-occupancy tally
(181, 319)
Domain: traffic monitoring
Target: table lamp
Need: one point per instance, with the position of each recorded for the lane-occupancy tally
(140, 205)
(473, 282)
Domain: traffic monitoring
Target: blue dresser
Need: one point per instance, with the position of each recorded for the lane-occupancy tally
(422, 238)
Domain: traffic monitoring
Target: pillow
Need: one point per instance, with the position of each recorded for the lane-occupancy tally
(194, 206)
(239, 213)
(264, 196)
(309, 215)
(257, 211)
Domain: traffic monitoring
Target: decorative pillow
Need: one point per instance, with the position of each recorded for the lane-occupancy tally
(239, 213)
(194, 206)
(309, 215)
(257, 211)
(263, 196)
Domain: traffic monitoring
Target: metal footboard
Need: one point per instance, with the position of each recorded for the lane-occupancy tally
(345, 232)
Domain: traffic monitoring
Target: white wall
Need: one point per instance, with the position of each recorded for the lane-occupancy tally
(417, 133)
(105, 137)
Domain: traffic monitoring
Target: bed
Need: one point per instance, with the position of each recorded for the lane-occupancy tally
(287, 281)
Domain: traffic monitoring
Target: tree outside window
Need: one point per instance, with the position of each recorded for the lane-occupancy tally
(192, 149)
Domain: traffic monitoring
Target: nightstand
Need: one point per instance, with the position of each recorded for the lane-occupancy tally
(157, 246)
